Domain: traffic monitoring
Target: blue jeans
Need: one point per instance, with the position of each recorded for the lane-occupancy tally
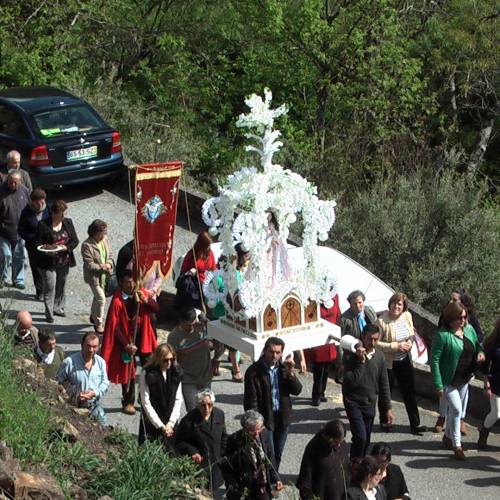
(277, 439)
(456, 397)
(361, 423)
(12, 255)
(97, 413)
(443, 404)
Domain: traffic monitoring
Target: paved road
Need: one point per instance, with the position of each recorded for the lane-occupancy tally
(429, 470)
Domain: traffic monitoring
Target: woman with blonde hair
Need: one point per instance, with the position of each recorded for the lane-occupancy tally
(396, 339)
(160, 395)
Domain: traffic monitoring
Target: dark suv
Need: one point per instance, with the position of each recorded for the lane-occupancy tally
(62, 139)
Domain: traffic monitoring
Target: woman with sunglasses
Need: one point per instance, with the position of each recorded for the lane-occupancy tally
(160, 396)
(455, 352)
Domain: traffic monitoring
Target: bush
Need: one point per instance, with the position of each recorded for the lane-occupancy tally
(142, 126)
(426, 233)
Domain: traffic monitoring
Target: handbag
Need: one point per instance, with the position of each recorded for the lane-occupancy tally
(419, 352)
(111, 284)
(324, 353)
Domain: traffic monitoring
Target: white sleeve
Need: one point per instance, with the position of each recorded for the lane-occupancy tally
(349, 343)
(176, 410)
(150, 412)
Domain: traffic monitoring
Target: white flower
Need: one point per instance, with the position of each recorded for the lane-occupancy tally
(239, 214)
(261, 116)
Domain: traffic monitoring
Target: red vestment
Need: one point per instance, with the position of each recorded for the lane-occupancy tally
(118, 332)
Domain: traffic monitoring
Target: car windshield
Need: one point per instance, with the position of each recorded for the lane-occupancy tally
(67, 120)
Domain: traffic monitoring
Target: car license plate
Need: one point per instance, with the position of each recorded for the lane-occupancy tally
(82, 154)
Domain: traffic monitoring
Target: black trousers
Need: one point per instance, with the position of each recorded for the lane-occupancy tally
(128, 390)
(320, 379)
(402, 373)
(35, 270)
(361, 424)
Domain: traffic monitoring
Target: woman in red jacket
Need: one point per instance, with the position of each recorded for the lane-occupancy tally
(200, 258)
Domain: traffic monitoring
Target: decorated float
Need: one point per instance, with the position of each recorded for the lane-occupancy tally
(254, 210)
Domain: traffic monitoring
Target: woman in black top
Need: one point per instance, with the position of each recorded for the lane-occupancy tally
(394, 481)
(56, 241)
(160, 395)
(491, 384)
(367, 475)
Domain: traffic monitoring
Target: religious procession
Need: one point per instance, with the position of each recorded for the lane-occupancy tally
(280, 312)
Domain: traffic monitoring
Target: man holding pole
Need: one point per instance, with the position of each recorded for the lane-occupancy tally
(128, 332)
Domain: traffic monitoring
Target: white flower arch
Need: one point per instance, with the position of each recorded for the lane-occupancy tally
(239, 215)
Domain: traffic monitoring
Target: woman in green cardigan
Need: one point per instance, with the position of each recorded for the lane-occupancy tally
(455, 352)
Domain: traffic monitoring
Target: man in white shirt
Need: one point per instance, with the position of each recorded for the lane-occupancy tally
(84, 377)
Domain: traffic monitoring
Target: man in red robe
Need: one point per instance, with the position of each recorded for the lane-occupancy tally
(128, 312)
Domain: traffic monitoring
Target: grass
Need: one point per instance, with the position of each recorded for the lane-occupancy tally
(124, 471)
(146, 475)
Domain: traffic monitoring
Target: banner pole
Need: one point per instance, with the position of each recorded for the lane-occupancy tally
(136, 292)
(194, 255)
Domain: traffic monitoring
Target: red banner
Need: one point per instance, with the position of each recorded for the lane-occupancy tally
(156, 195)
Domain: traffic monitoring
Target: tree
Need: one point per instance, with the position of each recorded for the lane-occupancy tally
(426, 234)
(460, 41)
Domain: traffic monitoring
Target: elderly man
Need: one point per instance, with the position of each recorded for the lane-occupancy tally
(84, 377)
(31, 215)
(324, 471)
(14, 163)
(47, 354)
(193, 354)
(26, 334)
(13, 198)
(248, 468)
(202, 436)
(268, 385)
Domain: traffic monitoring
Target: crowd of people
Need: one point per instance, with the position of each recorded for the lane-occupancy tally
(374, 354)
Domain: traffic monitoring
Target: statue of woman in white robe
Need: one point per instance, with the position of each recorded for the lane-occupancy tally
(277, 254)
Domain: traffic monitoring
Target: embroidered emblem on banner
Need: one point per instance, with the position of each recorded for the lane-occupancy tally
(153, 208)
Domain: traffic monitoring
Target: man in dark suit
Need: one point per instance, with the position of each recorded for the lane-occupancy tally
(268, 385)
(202, 436)
(357, 316)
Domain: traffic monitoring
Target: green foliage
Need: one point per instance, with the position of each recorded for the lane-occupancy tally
(20, 409)
(426, 235)
(145, 474)
(368, 83)
(143, 126)
(128, 472)
(376, 90)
